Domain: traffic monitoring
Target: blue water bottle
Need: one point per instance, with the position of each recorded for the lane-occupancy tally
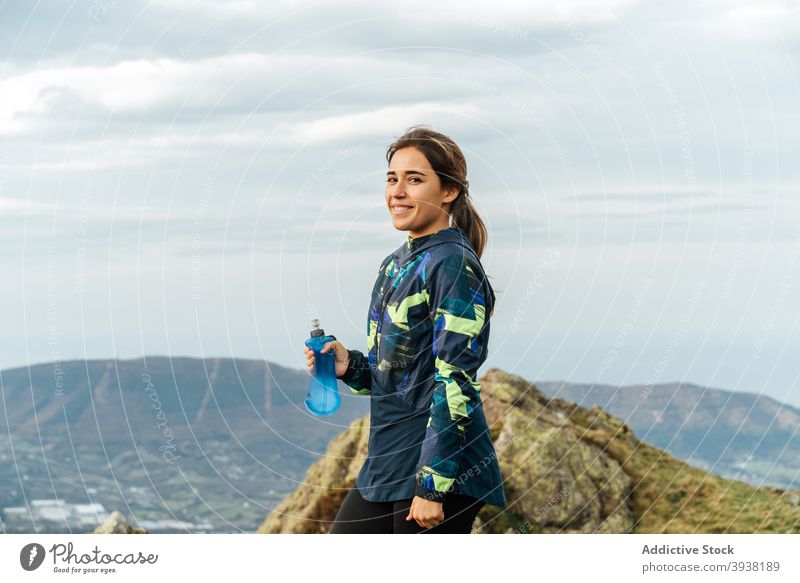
(323, 391)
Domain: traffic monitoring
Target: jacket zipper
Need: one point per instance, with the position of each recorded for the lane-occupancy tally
(384, 301)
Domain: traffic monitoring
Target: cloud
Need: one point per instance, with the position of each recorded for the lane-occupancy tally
(128, 86)
(379, 122)
(651, 196)
(761, 20)
(509, 12)
(202, 93)
(10, 206)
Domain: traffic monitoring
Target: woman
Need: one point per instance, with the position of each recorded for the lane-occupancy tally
(431, 464)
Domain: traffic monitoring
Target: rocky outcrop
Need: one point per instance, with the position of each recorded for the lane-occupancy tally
(567, 469)
(116, 523)
(313, 506)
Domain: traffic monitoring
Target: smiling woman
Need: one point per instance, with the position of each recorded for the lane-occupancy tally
(431, 464)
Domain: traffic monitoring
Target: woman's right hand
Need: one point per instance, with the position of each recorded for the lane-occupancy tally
(341, 357)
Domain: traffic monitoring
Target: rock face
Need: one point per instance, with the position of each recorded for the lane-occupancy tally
(116, 523)
(313, 506)
(567, 469)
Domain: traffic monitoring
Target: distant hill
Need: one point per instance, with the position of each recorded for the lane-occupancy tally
(567, 469)
(745, 436)
(200, 440)
(121, 400)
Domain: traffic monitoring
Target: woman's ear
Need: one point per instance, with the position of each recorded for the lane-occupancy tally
(450, 195)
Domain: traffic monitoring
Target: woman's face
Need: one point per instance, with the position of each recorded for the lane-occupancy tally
(414, 194)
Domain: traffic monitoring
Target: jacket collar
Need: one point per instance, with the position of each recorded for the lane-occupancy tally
(447, 235)
(413, 246)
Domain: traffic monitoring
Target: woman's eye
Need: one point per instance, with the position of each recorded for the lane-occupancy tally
(412, 178)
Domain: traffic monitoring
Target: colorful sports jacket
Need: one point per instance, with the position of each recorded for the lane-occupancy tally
(427, 335)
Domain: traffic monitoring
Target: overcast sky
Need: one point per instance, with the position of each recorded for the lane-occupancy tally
(202, 178)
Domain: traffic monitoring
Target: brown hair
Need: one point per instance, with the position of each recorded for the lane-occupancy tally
(447, 160)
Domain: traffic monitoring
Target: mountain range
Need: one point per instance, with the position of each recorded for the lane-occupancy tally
(217, 444)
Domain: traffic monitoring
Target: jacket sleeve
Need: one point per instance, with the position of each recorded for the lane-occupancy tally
(358, 375)
(458, 309)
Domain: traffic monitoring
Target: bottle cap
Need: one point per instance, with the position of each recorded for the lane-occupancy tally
(315, 329)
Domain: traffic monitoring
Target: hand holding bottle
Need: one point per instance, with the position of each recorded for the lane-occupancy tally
(340, 355)
(323, 392)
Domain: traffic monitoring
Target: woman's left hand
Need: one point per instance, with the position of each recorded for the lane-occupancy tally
(427, 513)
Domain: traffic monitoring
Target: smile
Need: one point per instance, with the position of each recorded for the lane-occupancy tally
(400, 209)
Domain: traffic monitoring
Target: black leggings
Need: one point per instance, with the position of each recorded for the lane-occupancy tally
(359, 516)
